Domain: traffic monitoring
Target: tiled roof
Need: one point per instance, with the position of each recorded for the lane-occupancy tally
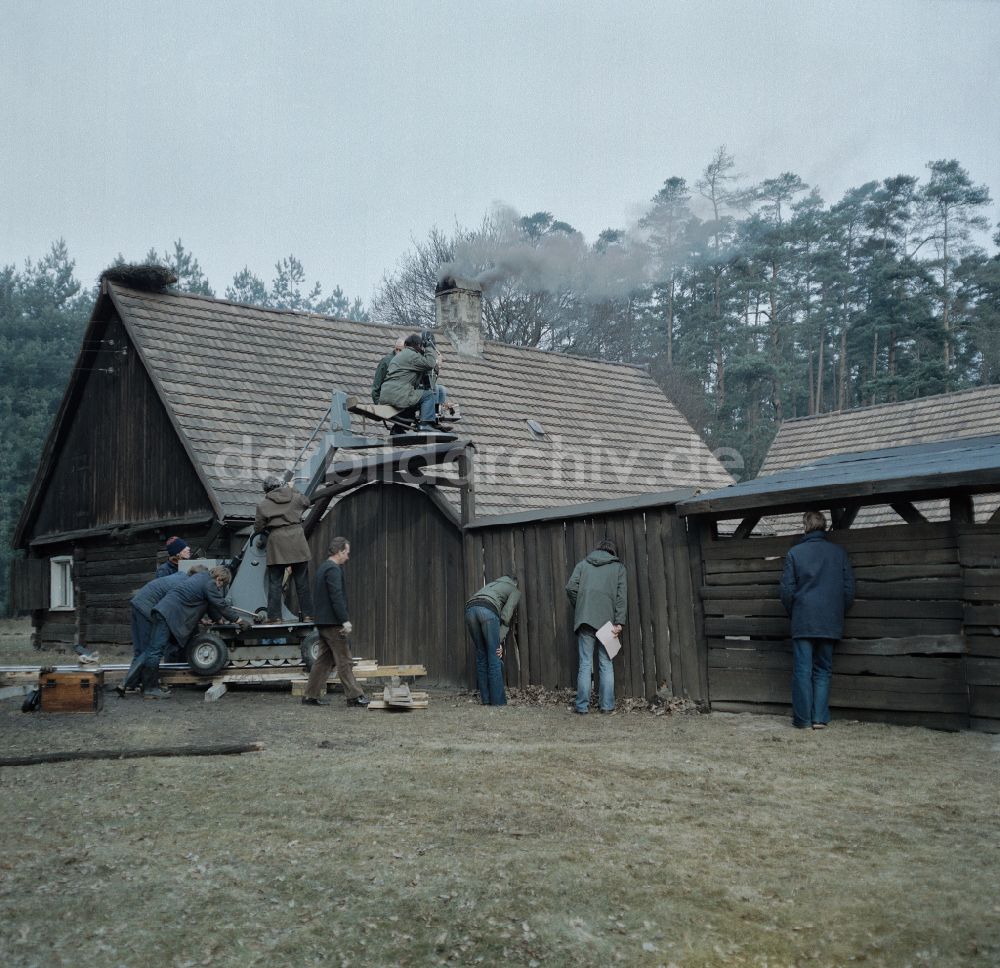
(967, 413)
(246, 381)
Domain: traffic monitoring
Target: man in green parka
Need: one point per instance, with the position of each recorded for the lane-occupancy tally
(487, 617)
(598, 590)
(383, 368)
(407, 371)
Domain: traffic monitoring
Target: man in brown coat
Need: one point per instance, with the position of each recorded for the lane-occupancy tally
(280, 514)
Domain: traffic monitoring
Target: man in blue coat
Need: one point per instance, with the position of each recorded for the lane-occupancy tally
(177, 614)
(143, 602)
(817, 588)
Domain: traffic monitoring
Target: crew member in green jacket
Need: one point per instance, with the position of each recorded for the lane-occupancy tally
(598, 590)
(487, 617)
(403, 386)
(383, 368)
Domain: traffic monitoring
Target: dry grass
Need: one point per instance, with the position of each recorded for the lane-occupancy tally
(524, 835)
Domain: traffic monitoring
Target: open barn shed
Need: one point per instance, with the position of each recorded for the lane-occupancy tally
(922, 641)
(179, 405)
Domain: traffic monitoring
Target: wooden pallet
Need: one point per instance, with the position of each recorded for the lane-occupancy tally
(420, 701)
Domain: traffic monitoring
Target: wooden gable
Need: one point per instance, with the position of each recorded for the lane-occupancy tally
(114, 457)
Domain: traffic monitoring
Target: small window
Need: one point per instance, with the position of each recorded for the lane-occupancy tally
(61, 584)
(537, 430)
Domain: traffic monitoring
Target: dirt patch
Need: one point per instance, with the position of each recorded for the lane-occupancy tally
(465, 834)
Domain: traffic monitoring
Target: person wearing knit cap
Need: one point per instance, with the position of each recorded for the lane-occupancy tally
(177, 548)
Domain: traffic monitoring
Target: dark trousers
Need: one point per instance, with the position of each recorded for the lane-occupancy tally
(333, 651)
(300, 575)
(141, 629)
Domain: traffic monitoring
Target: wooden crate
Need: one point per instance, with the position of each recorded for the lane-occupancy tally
(78, 691)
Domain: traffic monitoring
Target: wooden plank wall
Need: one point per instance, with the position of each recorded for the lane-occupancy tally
(660, 647)
(119, 457)
(903, 658)
(404, 578)
(979, 554)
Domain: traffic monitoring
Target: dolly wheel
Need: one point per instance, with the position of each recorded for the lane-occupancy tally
(207, 654)
(310, 649)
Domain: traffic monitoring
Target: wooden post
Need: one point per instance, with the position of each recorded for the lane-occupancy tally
(961, 509)
(746, 526)
(908, 512)
(467, 474)
(843, 517)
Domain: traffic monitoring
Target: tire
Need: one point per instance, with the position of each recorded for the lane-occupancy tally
(310, 649)
(207, 654)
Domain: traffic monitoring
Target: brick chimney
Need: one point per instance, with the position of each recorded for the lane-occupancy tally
(459, 305)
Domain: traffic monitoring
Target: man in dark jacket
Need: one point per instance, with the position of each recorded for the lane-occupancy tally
(598, 590)
(178, 614)
(177, 549)
(487, 617)
(280, 514)
(334, 627)
(383, 368)
(817, 588)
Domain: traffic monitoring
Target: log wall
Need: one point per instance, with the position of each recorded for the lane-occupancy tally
(107, 572)
(906, 656)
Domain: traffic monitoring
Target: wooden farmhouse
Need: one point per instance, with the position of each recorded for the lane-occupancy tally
(922, 641)
(179, 405)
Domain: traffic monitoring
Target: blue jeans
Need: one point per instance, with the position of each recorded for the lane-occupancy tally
(586, 641)
(428, 406)
(812, 665)
(144, 668)
(484, 630)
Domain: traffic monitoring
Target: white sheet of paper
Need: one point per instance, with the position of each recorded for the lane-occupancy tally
(607, 638)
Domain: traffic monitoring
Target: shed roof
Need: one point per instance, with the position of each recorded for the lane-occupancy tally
(966, 465)
(945, 416)
(966, 413)
(244, 381)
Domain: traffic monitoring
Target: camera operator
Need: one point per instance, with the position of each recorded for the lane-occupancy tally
(404, 385)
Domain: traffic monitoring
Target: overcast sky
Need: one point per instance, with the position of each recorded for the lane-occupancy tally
(338, 131)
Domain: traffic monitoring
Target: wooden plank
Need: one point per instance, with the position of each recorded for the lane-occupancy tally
(853, 627)
(982, 615)
(628, 676)
(945, 721)
(983, 645)
(936, 535)
(913, 645)
(950, 669)
(658, 592)
(527, 630)
(979, 549)
(893, 608)
(694, 667)
(861, 692)
(639, 561)
(982, 671)
(984, 701)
